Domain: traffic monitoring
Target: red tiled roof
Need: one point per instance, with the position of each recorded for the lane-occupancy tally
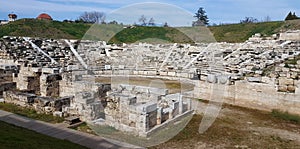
(44, 16)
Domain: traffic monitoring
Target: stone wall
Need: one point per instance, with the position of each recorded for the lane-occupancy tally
(290, 35)
(260, 96)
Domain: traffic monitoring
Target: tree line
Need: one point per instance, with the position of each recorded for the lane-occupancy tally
(200, 15)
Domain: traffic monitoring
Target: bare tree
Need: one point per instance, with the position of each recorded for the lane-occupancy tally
(249, 20)
(93, 17)
(143, 20)
(267, 19)
(151, 21)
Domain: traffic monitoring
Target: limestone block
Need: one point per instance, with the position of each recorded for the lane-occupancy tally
(282, 74)
(285, 81)
(211, 78)
(282, 88)
(135, 72)
(84, 97)
(171, 73)
(294, 75)
(254, 79)
(222, 79)
(278, 68)
(291, 88)
(147, 107)
(163, 73)
(152, 73)
(285, 69)
(267, 80)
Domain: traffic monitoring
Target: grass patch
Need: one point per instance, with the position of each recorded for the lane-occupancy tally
(30, 113)
(202, 100)
(21, 138)
(292, 61)
(83, 127)
(285, 116)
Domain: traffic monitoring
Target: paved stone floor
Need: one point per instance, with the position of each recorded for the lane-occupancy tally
(60, 132)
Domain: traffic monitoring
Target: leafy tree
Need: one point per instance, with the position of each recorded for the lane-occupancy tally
(166, 24)
(202, 18)
(93, 17)
(291, 16)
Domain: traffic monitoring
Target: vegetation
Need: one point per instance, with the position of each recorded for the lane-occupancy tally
(286, 116)
(17, 137)
(83, 127)
(71, 30)
(291, 16)
(44, 28)
(131, 35)
(92, 17)
(249, 20)
(241, 32)
(27, 112)
(201, 16)
(292, 61)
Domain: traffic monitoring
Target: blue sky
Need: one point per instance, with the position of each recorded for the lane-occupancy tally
(173, 12)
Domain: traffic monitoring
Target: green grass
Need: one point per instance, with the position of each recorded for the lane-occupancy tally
(131, 35)
(117, 34)
(285, 116)
(292, 61)
(27, 112)
(45, 29)
(241, 32)
(13, 137)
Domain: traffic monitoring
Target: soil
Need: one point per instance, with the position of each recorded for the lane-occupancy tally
(172, 85)
(238, 127)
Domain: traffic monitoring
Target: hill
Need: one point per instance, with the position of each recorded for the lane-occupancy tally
(45, 29)
(151, 34)
(241, 32)
(222, 33)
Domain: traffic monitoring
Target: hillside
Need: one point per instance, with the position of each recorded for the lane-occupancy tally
(241, 32)
(222, 33)
(151, 34)
(46, 29)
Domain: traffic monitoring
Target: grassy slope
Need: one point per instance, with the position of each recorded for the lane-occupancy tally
(167, 34)
(42, 28)
(223, 33)
(241, 32)
(17, 137)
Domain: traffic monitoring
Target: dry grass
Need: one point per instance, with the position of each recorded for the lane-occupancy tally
(237, 128)
(172, 85)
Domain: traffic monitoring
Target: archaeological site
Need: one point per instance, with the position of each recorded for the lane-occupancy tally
(61, 77)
